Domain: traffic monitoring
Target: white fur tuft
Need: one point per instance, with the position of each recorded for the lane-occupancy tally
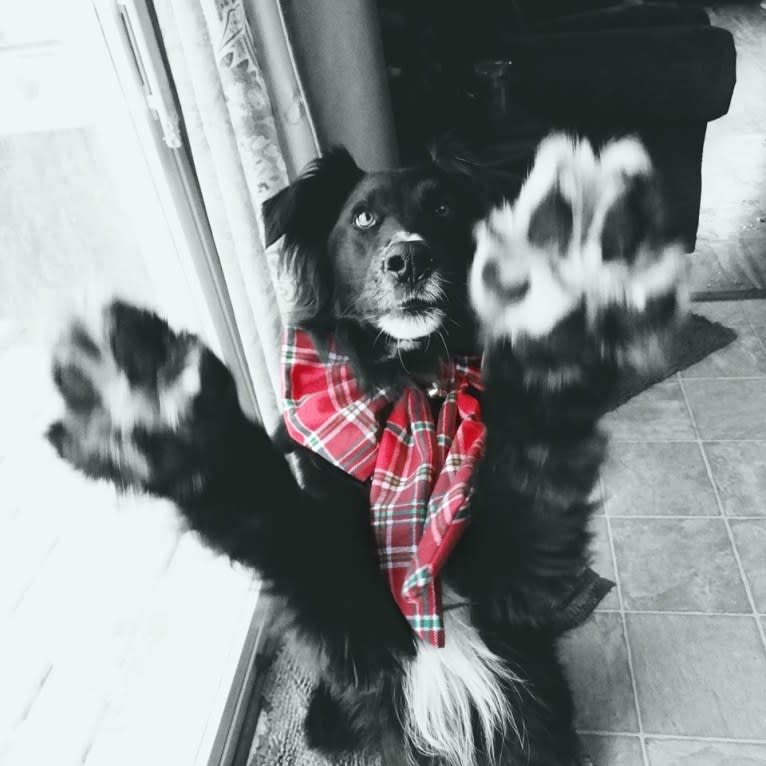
(445, 688)
(175, 398)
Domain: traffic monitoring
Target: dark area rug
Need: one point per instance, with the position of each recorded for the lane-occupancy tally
(279, 739)
(697, 339)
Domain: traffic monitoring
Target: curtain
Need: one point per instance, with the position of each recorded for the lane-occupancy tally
(242, 69)
(238, 159)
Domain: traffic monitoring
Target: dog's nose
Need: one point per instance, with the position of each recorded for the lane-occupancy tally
(408, 261)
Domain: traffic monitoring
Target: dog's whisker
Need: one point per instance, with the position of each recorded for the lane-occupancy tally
(399, 354)
(377, 338)
(444, 343)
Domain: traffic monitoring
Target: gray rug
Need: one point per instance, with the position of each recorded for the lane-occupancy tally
(697, 338)
(279, 739)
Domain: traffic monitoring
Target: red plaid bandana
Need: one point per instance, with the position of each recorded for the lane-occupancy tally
(419, 469)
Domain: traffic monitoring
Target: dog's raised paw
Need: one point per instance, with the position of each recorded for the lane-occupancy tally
(580, 261)
(125, 377)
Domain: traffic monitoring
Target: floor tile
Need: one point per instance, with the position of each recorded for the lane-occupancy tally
(739, 472)
(750, 539)
(673, 752)
(655, 479)
(728, 409)
(699, 675)
(706, 272)
(753, 244)
(755, 311)
(729, 313)
(613, 751)
(742, 358)
(596, 659)
(685, 565)
(601, 551)
(760, 330)
(658, 414)
(736, 256)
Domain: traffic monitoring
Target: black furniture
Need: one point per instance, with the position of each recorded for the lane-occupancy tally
(656, 70)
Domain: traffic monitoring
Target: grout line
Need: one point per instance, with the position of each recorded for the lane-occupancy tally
(688, 440)
(679, 613)
(721, 377)
(730, 295)
(613, 553)
(672, 517)
(681, 737)
(738, 558)
(626, 637)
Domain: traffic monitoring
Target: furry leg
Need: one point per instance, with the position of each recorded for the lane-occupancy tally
(156, 410)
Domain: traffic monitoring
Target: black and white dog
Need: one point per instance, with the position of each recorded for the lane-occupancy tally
(563, 289)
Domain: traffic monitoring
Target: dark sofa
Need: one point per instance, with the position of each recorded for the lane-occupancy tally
(657, 70)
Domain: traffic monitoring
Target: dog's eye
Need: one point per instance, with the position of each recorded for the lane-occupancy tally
(442, 210)
(364, 219)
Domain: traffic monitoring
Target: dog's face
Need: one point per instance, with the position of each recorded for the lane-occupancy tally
(388, 251)
(399, 254)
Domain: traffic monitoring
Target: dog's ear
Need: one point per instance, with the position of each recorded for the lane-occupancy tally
(304, 214)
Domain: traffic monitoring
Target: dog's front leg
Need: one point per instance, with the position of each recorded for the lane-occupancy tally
(155, 410)
(572, 285)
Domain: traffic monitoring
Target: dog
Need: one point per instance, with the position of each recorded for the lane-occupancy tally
(396, 272)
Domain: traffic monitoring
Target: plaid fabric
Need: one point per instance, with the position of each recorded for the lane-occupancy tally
(419, 468)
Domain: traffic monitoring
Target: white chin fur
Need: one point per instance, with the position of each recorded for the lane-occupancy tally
(411, 326)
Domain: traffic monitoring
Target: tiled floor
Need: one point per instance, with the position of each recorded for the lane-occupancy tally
(671, 671)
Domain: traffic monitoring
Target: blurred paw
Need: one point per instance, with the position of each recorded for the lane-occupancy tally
(127, 376)
(579, 263)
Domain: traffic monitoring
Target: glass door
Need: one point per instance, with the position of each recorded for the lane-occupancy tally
(119, 633)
